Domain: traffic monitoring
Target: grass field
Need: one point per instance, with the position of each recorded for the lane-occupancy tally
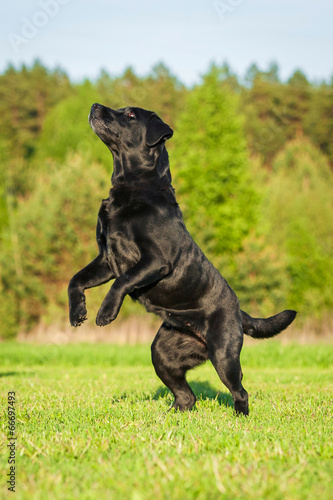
(92, 423)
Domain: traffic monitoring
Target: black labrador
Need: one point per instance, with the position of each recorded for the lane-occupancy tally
(145, 246)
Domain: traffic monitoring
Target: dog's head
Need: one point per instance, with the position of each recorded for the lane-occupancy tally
(133, 135)
(128, 128)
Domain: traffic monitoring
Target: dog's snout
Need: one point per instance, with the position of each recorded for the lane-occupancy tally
(101, 112)
(95, 108)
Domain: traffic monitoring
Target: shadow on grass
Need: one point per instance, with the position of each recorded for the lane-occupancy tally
(203, 391)
(15, 374)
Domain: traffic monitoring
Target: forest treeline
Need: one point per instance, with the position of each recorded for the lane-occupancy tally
(251, 160)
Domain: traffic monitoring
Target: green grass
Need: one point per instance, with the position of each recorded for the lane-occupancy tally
(92, 423)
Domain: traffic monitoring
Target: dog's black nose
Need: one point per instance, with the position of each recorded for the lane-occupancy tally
(95, 108)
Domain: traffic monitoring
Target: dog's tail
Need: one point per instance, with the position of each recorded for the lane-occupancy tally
(265, 328)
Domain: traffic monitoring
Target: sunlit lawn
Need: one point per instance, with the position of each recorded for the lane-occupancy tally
(92, 423)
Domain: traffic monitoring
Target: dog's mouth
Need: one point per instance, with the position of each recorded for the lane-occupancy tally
(99, 125)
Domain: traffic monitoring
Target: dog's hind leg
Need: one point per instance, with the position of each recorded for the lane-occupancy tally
(173, 353)
(224, 342)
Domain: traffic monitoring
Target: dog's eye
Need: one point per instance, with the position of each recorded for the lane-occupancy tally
(131, 115)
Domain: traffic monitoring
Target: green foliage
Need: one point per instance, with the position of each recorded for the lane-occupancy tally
(265, 222)
(258, 274)
(66, 127)
(4, 216)
(318, 122)
(26, 95)
(99, 427)
(46, 239)
(298, 210)
(274, 114)
(51, 236)
(298, 80)
(159, 91)
(211, 164)
(66, 130)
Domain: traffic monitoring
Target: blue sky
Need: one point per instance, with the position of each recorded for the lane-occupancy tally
(83, 36)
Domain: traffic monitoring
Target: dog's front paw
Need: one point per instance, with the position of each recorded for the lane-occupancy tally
(78, 314)
(105, 317)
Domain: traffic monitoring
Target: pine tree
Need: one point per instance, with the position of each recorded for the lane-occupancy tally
(211, 166)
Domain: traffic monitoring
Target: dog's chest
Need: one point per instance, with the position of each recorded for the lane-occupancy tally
(116, 238)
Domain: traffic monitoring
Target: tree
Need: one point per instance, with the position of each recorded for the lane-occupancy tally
(159, 91)
(66, 130)
(274, 112)
(298, 212)
(26, 95)
(253, 74)
(298, 80)
(258, 274)
(54, 236)
(319, 120)
(164, 93)
(211, 167)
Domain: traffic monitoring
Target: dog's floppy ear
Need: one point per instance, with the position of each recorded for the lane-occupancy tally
(157, 131)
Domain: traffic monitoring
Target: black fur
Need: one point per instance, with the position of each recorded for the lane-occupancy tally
(145, 246)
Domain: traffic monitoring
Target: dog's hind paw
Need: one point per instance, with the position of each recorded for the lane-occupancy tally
(241, 409)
